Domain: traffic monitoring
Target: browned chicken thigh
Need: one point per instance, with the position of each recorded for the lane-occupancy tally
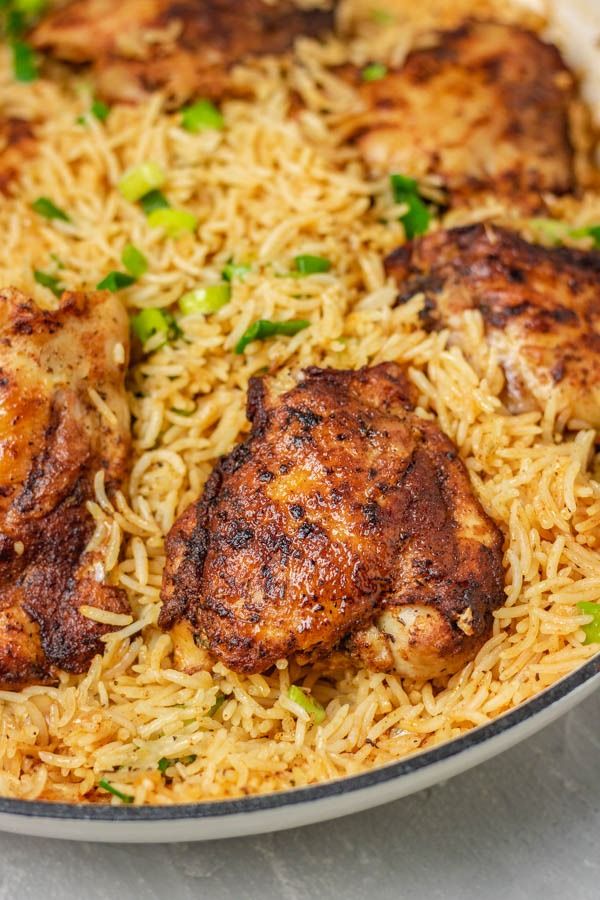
(53, 440)
(185, 48)
(485, 108)
(343, 519)
(540, 306)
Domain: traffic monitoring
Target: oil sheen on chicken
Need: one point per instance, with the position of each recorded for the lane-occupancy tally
(52, 442)
(540, 307)
(485, 108)
(185, 48)
(344, 520)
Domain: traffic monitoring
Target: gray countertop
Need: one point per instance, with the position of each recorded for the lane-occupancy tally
(525, 825)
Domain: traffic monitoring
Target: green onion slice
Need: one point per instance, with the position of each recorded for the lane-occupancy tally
(556, 232)
(382, 17)
(107, 786)
(142, 179)
(46, 208)
(134, 261)
(592, 630)
(100, 110)
(219, 701)
(149, 322)
(164, 762)
(416, 220)
(24, 62)
(592, 231)
(15, 24)
(311, 265)
(263, 329)
(406, 191)
(205, 300)
(29, 7)
(374, 72)
(115, 281)
(309, 704)
(550, 229)
(154, 200)
(48, 281)
(201, 116)
(174, 222)
(233, 270)
(402, 184)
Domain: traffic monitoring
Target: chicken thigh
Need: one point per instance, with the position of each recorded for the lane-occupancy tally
(56, 369)
(341, 513)
(485, 109)
(185, 48)
(540, 307)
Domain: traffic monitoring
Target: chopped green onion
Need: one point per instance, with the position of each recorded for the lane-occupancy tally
(149, 322)
(46, 208)
(311, 265)
(550, 229)
(308, 704)
(183, 412)
(401, 184)
(115, 281)
(233, 270)
(164, 763)
(374, 72)
(592, 231)
(556, 232)
(205, 300)
(107, 786)
(382, 17)
(174, 222)
(15, 25)
(134, 261)
(100, 110)
(48, 281)
(29, 7)
(140, 180)
(406, 191)
(24, 63)
(592, 630)
(219, 701)
(154, 200)
(416, 220)
(200, 116)
(264, 328)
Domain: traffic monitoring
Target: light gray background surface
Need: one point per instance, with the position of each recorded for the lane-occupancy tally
(523, 826)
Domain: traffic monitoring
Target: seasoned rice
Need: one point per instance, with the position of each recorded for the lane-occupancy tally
(273, 184)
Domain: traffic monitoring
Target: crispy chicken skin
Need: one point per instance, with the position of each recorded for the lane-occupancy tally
(342, 519)
(540, 306)
(17, 142)
(486, 109)
(52, 442)
(185, 47)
